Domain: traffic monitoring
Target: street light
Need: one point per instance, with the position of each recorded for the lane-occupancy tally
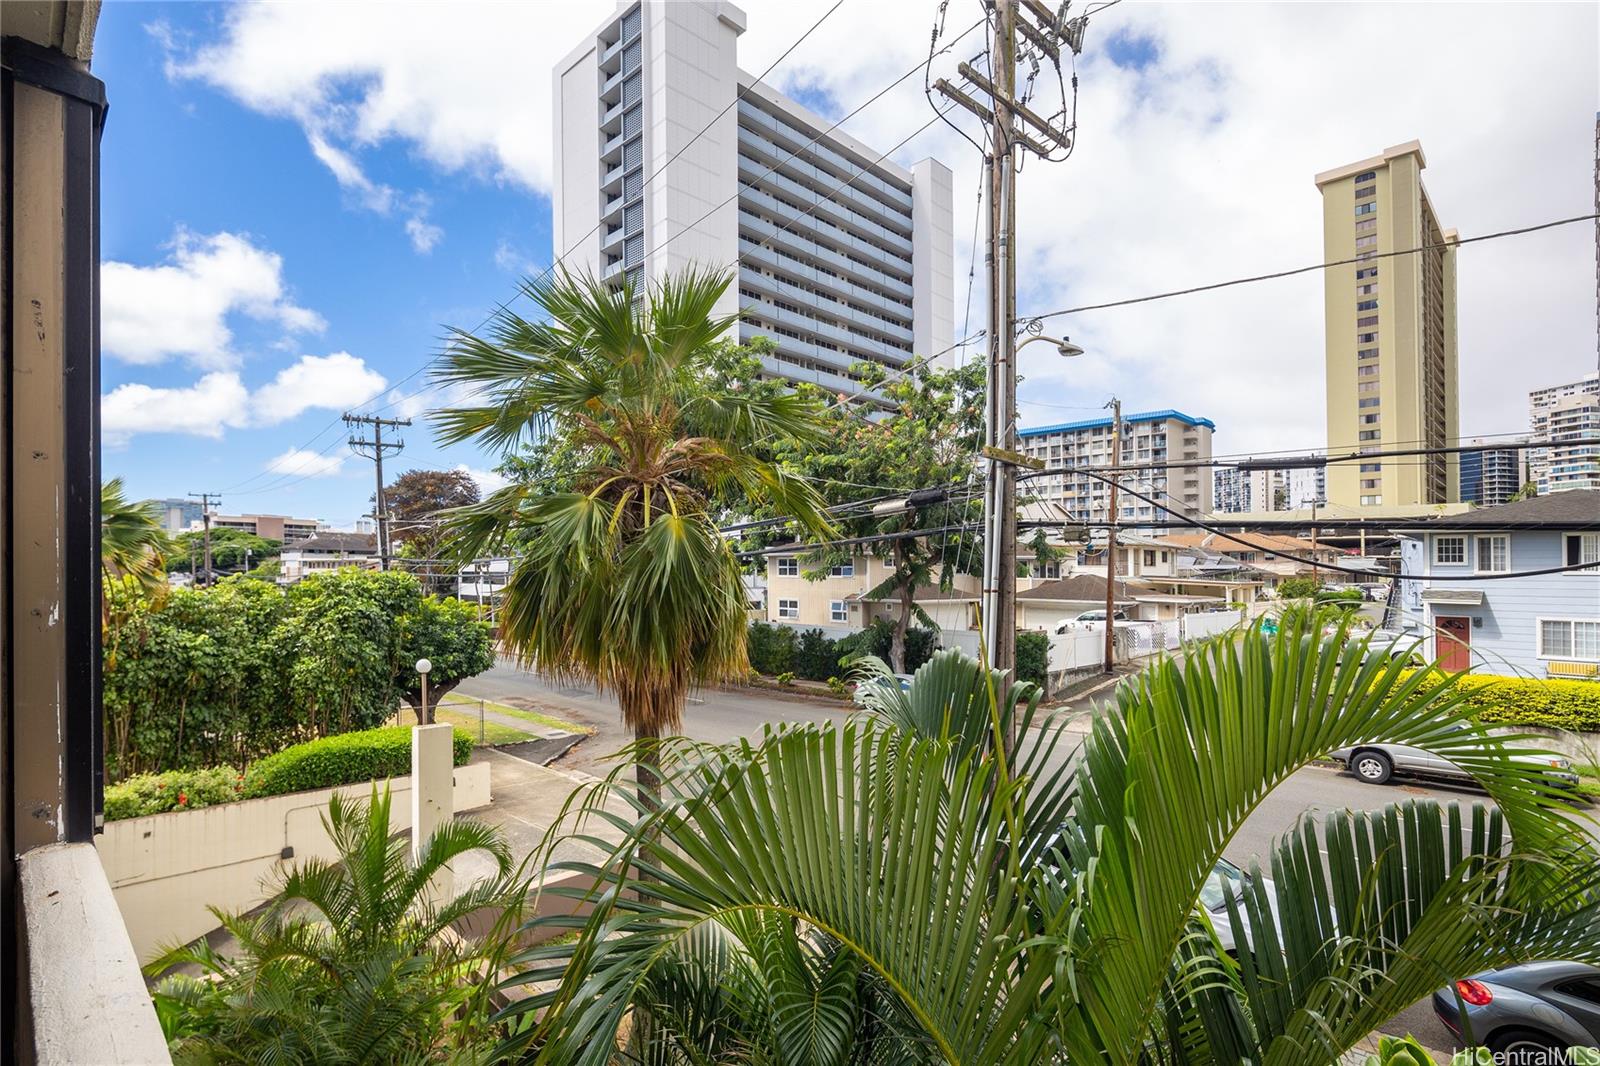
(1064, 346)
(423, 668)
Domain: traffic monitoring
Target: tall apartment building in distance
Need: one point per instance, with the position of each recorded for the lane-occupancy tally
(1558, 416)
(1237, 491)
(1391, 332)
(1151, 442)
(1494, 473)
(841, 258)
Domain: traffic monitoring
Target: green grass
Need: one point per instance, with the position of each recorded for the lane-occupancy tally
(467, 705)
(494, 733)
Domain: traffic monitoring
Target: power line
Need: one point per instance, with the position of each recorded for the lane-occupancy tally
(1368, 257)
(1196, 523)
(379, 446)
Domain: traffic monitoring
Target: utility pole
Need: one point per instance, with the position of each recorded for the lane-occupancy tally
(207, 500)
(1006, 142)
(1316, 573)
(377, 446)
(1112, 548)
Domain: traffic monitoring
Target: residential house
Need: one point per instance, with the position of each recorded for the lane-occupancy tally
(324, 552)
(841, 597)
(1051, 602)
(1264, 553)
(1543, 622)
(1178, 579)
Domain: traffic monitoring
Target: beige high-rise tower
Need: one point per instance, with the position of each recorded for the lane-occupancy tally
(1391, 333)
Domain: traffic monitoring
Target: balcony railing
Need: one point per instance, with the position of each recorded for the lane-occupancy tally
(87, 999)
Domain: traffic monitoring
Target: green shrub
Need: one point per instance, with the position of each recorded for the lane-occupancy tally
(347, 758)
(838, 687)
(786, 678)
(1033, 656)
(1549, 703)
(816, 658)
(877, 638)
(174, 790)
(1295, 588)
(770, 648)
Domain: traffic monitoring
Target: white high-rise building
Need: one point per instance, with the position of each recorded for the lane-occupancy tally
(1558, 416)
(840, 257)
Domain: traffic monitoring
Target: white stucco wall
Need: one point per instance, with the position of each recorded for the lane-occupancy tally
(165, 870)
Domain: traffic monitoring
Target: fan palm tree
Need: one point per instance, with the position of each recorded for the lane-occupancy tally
(352, 961)
(1022, 908)
(624, 580)
(132, 542)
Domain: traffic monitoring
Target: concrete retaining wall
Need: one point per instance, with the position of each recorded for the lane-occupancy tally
(167, 869)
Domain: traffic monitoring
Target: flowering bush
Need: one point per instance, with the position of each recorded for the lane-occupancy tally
(174, 790)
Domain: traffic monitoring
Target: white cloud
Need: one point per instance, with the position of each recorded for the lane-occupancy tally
(1193, 165)
(513, 260)
(375, 196)
(487, 480)
(304, 463)
(328, 381)
(220, 401)
(181, 307)
(204, 409)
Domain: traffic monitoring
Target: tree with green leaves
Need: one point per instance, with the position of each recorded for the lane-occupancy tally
(132, 542)
(623, 579)
(955, 899)
(231, 550)
(353, 960)
(928, 440)
(453, 637)
(223, 675)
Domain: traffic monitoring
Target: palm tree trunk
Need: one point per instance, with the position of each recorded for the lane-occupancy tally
(647, 770)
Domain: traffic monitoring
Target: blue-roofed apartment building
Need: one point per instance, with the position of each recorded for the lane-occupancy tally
(1542, 622)
(1153, 441)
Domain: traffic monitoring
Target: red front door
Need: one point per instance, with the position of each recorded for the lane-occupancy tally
(1453, 643)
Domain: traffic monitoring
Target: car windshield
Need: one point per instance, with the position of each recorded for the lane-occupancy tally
(1226, 879)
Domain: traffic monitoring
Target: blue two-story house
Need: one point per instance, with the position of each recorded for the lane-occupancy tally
(1513, 589)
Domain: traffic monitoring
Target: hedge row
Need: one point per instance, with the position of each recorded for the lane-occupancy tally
(1551, 703)
(344, 759)
(809, 654)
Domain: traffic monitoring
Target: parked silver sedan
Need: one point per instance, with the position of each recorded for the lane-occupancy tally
(1377, 763)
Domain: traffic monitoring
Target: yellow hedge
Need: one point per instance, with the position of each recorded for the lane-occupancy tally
(1551, 703)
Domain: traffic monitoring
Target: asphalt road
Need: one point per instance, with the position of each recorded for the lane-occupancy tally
(722, 715)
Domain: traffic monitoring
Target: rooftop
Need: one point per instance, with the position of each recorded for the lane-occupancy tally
(338, 542)
(1573, 509)
(1093, 423)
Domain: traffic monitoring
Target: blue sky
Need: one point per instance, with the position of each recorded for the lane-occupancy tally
(178, 155)
(298, 197)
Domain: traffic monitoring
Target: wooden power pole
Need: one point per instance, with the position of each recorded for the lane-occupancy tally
(378, 446)
(1113, 549)
(207, 501)
(1000, 112)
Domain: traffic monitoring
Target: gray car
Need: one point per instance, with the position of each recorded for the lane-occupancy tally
(1524, 1013)
(1376, 763)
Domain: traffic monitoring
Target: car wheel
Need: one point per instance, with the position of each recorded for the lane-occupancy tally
(1524, 1047)
(1373, 767)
